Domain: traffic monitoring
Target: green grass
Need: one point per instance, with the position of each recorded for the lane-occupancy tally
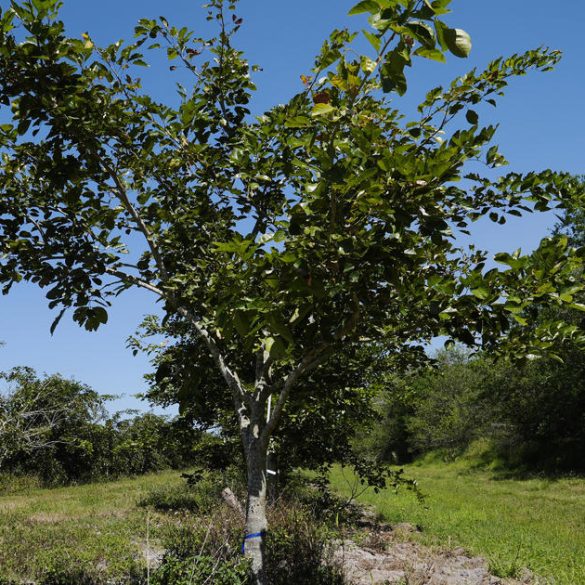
(534, 523)
(97, 525)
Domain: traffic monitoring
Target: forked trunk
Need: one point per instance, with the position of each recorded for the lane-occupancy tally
(256, 522)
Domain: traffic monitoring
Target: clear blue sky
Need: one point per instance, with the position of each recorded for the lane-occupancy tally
(542, 126)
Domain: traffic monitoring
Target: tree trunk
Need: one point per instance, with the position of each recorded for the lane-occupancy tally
(256, 522)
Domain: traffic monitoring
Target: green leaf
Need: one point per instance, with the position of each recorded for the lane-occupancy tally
(440, 6)
(481, 292)
(433, 54)
(368, 65)
(322, 109)
(279, 327)
(274, 347)
(365, 6)
(44, 5)
(100, 314)
(298, 122)
(429, 5)
(55, 293)
(458, 42)
(242, 323)
(515, 262)
(520, 319)
(422, 32)
(56, 321)
(392, 73)
(472, 117)
(375, 41)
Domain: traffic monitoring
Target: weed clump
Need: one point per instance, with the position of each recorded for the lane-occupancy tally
(204, 542)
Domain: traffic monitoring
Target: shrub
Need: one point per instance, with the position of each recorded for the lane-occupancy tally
(172, 500)
(16, 484)
(207, 549)
(200, 492)
(203, 550)
(300, 549)
(200, 570)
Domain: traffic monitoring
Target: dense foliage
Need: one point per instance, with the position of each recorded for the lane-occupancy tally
(529, 416)
(60, 431)
(331, 406)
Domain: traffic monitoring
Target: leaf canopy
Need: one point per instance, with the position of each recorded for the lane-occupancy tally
(327, 219)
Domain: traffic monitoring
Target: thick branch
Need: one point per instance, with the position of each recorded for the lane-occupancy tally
(238, 392)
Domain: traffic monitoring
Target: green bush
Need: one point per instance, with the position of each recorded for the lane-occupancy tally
(202, 570)
(528, 417)
(299, 549)
(74, 439)
(207, 547)
(172, 500)
(201, 492)
(203, 549)
(17, 484)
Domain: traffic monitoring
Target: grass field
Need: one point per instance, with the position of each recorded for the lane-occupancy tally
(534, 523)
(84, 526)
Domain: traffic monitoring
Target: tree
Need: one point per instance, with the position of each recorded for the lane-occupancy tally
(544, 406)
(39, 415)
(59, 430)
(444, 407)
(277, 239)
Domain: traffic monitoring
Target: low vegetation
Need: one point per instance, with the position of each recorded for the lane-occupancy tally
(84, 528)
(531, 414)
(156, 529)
(120, 531)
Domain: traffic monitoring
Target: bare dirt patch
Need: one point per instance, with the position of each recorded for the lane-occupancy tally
(49, 518)
(384, 559)
(8, 505)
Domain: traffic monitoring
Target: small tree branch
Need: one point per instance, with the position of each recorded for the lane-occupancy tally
(238, 392)
(135, 281)
(229, 376)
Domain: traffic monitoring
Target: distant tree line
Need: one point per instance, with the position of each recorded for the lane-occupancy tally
(530, 417)
(60, 431)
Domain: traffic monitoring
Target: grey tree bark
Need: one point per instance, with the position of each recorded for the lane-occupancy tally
(256, 521)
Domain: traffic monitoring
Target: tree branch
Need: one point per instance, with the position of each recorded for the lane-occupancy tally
(231, 378)
(133, 280)
(125, 200)
(313, 359)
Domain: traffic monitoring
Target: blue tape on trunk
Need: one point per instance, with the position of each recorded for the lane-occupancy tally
(250, 536)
